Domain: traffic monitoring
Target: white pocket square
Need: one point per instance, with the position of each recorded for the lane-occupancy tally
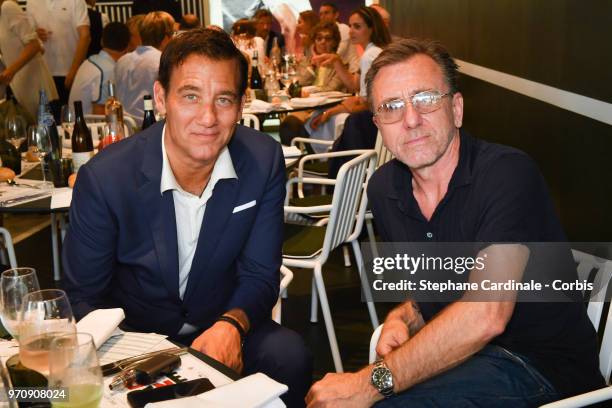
(244, 206)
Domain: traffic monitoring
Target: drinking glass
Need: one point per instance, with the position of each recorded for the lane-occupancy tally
(14, 285)
(15, 129)
(39, 145)
(74, 365)
(68, 118)
(45, 315)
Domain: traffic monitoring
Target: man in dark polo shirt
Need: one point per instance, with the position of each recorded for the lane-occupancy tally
(447, 186)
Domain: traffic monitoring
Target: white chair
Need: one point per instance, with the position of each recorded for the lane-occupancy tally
(10, 249)
(286, 278)
(309, 246)
(250, 120)
(587, 264)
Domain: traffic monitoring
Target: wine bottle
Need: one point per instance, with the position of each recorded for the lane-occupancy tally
(256, 82)
(9, 156)
(275, 52)
(149, 115)
(114, 130)
(45, 118)
(82, 144)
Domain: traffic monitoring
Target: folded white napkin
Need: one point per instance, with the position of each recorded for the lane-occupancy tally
(255, 391)
(291, 151)
(101, 323)
(257, 105)
(310, 101)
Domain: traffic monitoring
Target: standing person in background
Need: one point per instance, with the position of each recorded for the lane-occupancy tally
(97, 21)
(263, 29)
(63, 27)
(136, 71)
(26, 70)
(243, 35)
(307, 20)
(328, 12)
(91, 81)
(172, 7)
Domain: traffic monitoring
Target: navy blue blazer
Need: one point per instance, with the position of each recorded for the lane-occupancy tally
(121, 247)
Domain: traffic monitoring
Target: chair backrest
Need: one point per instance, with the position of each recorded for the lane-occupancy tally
(250, 120)
(599, 271)
(130, 125)
(349, 201)
(384, 155)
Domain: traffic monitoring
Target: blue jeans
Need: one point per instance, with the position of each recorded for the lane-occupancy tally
(493, 377)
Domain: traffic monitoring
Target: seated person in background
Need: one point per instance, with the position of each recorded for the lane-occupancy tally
(189, 22)
(303, 43)
(263, 28)
(91, 81)
(446, 186)
(136, 71)
(325, 38)
(181, 225)
(133, 24)
(329, 13)
(243, 35)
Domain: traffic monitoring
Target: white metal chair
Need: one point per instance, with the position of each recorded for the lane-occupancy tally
(587, 264)
(346, 214)
(10, 249)
(250, 120)
(286, 278)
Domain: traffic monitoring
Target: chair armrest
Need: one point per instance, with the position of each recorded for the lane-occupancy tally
(287, 277)
(309, 140)
(582, 400)
(328, 155)
(305, 180)
(308, 210)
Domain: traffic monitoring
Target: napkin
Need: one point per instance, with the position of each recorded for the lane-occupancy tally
(291, 151)
(310, 101)
(255, 391)
(101, 323)
(257, 105)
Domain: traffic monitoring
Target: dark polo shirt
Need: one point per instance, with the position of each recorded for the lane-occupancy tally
(496, 194)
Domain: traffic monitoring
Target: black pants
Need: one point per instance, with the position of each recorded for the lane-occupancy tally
(279, 353)
(61, 89)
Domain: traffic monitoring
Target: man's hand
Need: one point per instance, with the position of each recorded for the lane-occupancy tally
(221, 342)
(6, 76)
(348, 389)
(319, 120)
(395, 332)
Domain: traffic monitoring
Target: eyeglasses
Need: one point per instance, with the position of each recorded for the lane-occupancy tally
(324, 37)
(392, 110)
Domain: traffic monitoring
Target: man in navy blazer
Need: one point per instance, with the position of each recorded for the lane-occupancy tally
(181, 225)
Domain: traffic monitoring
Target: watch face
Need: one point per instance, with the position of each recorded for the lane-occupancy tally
(381, 378)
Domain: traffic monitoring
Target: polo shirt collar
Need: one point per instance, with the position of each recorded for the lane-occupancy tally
(223, 169)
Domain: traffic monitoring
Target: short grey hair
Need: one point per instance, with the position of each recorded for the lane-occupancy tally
(402, 50)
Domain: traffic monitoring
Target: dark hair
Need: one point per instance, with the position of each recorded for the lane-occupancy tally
(211, 44)
(329, 4)
(262, 12)
(332, 28)
(380, 34)
(189, 22)
(155, 26)
(244, 26)
(402, 50)
(116, 36)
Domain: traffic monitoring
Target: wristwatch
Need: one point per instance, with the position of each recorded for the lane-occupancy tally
(382, 379)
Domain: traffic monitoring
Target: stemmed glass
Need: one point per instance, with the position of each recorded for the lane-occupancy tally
(73, 364)
(45, 315)
(39, 145)
(15, 130)
(68, 118)
(14, 285)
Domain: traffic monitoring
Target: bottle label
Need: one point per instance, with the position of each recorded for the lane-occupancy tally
(148, 104)
(79, 159)
(46, 119)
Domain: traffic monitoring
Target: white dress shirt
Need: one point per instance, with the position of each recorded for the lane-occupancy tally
(189, 213)
(369, 55)
(135, 74)
(61, 18)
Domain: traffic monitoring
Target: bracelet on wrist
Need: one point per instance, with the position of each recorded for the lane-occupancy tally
(234, 322)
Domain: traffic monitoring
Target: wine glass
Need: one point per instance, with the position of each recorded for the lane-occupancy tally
(68, 118)
(45, 314)
(39, 145)
(74, 365)
(14, 285)
(15, 128)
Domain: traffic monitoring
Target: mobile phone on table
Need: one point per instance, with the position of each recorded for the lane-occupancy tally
(140, 398)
